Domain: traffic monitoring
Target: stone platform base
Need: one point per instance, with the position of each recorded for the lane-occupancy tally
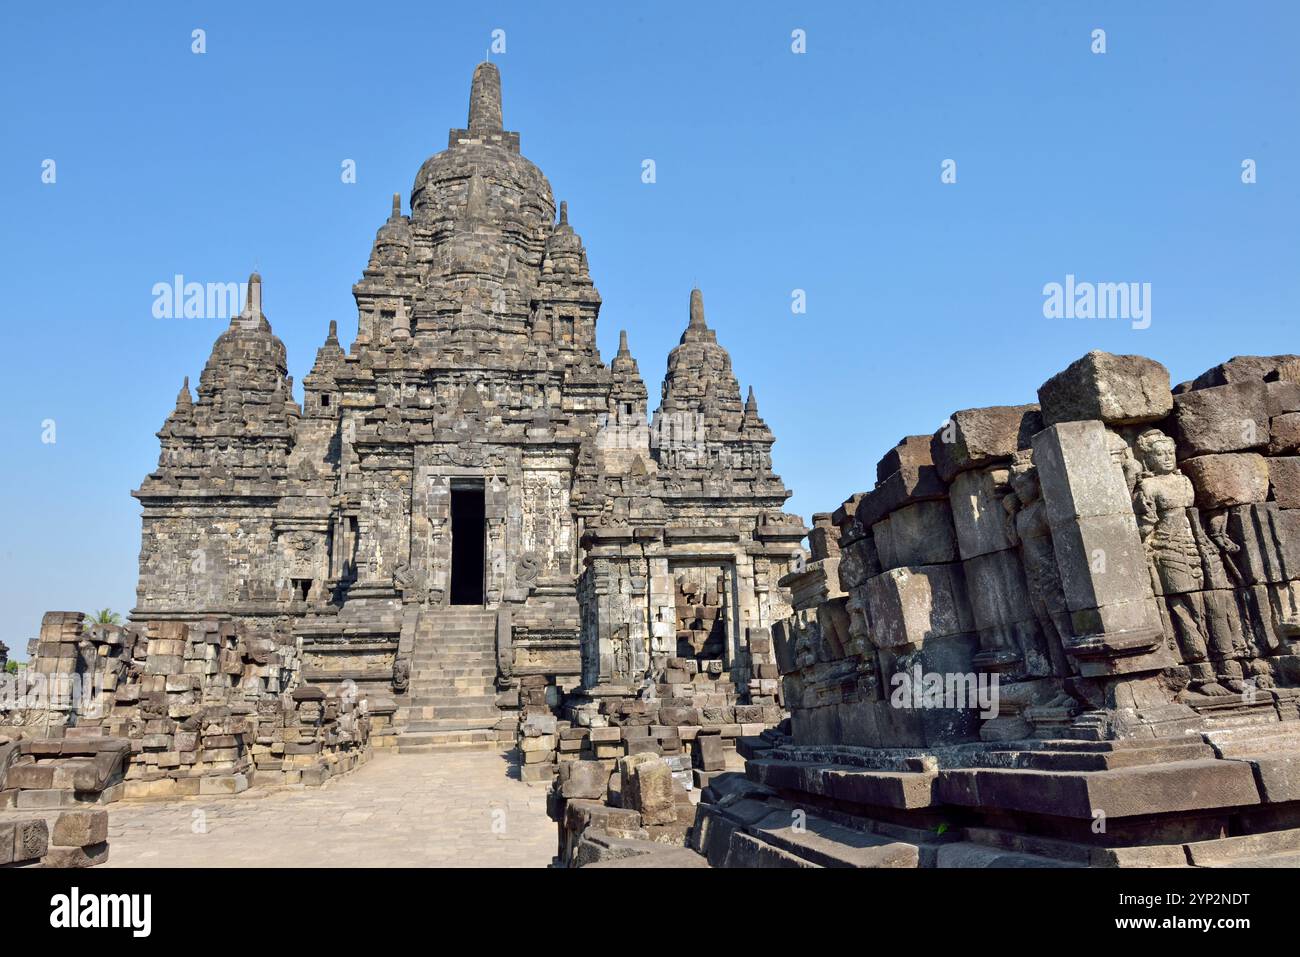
(1222, 799)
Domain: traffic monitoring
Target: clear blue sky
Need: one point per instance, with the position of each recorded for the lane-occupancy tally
(776, 171)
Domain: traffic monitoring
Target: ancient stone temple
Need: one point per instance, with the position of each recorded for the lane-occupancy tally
(471, 511)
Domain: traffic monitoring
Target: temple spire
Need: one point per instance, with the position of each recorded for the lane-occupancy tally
(397, 205)
(485, 98)
(252, 316)
(622, 344)
(184, 400)
(334, 336)
(564, 212)
(697, 310)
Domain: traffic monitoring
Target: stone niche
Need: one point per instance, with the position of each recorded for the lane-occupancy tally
(701, 604)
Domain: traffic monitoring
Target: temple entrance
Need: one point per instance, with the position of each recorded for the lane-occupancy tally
(468, 537)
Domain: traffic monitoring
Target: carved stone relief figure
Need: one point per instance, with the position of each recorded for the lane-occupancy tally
(1161, 500)
(1028, 529)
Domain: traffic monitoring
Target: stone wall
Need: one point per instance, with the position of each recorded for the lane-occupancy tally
(167, 708)
(1099, 592)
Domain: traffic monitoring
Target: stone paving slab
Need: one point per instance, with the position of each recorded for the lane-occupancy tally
(421, 810)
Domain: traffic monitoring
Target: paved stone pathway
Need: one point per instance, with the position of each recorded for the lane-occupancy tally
(419, 810)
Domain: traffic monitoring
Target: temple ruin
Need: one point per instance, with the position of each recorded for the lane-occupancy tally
(1053, 634)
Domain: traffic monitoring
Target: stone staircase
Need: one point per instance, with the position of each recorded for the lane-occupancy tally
(451, 701)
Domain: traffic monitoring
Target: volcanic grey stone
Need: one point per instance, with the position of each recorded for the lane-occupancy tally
(1226, 418)
(1229, 479)
(1117, 389)
(973, 438)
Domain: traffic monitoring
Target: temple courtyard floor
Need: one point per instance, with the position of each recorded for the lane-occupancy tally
(465, 809)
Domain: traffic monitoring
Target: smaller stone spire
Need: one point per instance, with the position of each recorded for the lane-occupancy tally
(485, 99)
(564, 212)
(751, 423)
(397, 205)
(623, 351)
(184, 400)
(333, 337)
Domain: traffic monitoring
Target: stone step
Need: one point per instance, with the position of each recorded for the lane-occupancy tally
(455, 666)
(451, 747)
(479, 684)
(453, 661)
(445, 701)
(452, 724)
(451, 738)
(461, 692)
(477, 651)
(462, 624)
(484, 715)
(482, 671)
(475, 646)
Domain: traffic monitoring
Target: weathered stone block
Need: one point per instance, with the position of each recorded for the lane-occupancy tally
(1078, 475)
(1228, 418)
(586, 779)
(65, 857)
(912, 452)
(980, 521)
(1284, 434)
(1284, 480)
(709, 755)
(652, 793)
(1116, 389)
(1243, 368)
(911, 605)
(917, 534)
(31, 839)
(1222, 481)
(80, 828)
(974, 438)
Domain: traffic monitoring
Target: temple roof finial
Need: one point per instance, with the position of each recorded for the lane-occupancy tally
(334, 334)
(485, 98)
(697, 309)
(253, 301)
(564, 212)
(751, 404)
(184, 399)
(622, 344)
(397, 205)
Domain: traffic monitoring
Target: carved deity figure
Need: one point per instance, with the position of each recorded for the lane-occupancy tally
(622, 652)
(1161, 500)
(1027, 527)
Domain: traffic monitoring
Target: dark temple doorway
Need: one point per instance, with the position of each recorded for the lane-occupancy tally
(468, 532)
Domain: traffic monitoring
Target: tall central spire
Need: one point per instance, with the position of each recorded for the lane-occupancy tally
(485, 99)
(485, 117)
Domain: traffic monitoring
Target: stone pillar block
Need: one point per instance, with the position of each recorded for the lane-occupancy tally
(911, 605)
